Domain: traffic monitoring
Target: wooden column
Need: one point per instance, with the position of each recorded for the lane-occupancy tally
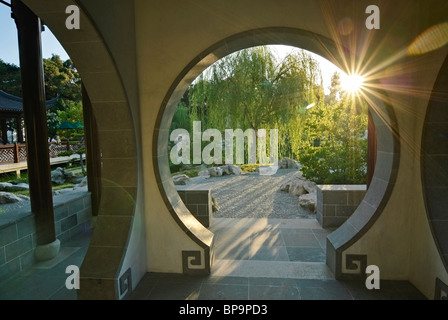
(371, 148)
(29, 34)
(19, 129)
(93, 156)
(4, 131)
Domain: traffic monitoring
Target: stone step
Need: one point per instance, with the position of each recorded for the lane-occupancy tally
(271, 269)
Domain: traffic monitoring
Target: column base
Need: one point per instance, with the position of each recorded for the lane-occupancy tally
(47, 251)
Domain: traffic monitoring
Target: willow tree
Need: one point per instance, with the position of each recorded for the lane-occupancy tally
(252, 89)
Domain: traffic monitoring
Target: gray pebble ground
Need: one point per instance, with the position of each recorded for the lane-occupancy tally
(251, 195)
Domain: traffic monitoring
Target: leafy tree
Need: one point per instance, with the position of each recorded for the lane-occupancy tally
(335, 88)
(61, 80)
(334, 143)
(181, 118)
(10, 80)
(60, 77)
(252, 89)
(72, 112)
(52, 123)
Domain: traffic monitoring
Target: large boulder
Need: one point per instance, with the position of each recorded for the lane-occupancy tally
(215, 171)
(305, 189)
(6, 197)
(308, 201)
(287, 163)
(227, 169)
(61, 176)
(81, 184)
(180, 179)
(230, 169)
(10, 187)
(297, 185)
(58, 176)
(204, 173)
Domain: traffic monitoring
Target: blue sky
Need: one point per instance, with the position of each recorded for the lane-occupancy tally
(9, 50)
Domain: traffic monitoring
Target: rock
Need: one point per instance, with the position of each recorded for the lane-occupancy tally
(227, 169)
(22, 197)
(23, 186)
(62, 191)
(58, 176)
(180, 179)
(298, 185)
(5, 185)
(215, 206)
(287, 163)
(308, 201)
(215, 171)
(81, 184)
(76, 179)
(266, 170)
(6, 197)
(204, 173)
(231, 169)
(9, 187)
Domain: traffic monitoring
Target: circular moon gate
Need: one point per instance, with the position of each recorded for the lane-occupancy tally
(387, 137)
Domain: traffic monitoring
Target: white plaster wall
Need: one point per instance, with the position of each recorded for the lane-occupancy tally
(400, 242)
(170, 34)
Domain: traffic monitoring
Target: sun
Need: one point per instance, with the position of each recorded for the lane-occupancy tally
(352, 83)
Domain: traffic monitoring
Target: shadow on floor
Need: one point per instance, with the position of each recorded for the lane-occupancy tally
(248, 279)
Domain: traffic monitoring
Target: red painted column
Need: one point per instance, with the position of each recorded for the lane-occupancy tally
(30, 48)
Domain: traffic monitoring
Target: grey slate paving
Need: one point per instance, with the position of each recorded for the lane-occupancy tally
(49, 284)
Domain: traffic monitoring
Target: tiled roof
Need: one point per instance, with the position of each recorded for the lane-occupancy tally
(11, 103)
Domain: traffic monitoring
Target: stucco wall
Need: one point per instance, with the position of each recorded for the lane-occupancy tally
(129, 77)
(173, 35)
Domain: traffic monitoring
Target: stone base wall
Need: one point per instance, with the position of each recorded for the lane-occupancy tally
(72, 213)
(198, 201)
(336, 203)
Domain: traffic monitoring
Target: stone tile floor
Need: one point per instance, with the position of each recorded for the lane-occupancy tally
(255, 259)
(177, 287)
(268, 259)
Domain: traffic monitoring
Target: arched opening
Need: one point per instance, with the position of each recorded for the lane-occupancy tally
(382, 179)
(434, 163)
(110, 117)
(321, 123)
(42, 135)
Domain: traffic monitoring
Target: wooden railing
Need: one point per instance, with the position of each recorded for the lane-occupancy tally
(12, 153)
(15, 153)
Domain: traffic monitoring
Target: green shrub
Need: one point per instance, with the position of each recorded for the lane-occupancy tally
(65, 153)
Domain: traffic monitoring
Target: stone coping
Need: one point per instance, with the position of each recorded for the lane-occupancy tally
(14, 212)
(342, 187)
(193, 187)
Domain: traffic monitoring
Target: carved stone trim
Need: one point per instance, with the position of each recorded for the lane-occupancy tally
(356, 263)
(125, 283)
(441, 290)
(193, 262)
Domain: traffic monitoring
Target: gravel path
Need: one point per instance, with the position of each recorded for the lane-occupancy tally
(254, 196)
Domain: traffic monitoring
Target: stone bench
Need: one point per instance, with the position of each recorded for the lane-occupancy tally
(198, 200)
(336, 203)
